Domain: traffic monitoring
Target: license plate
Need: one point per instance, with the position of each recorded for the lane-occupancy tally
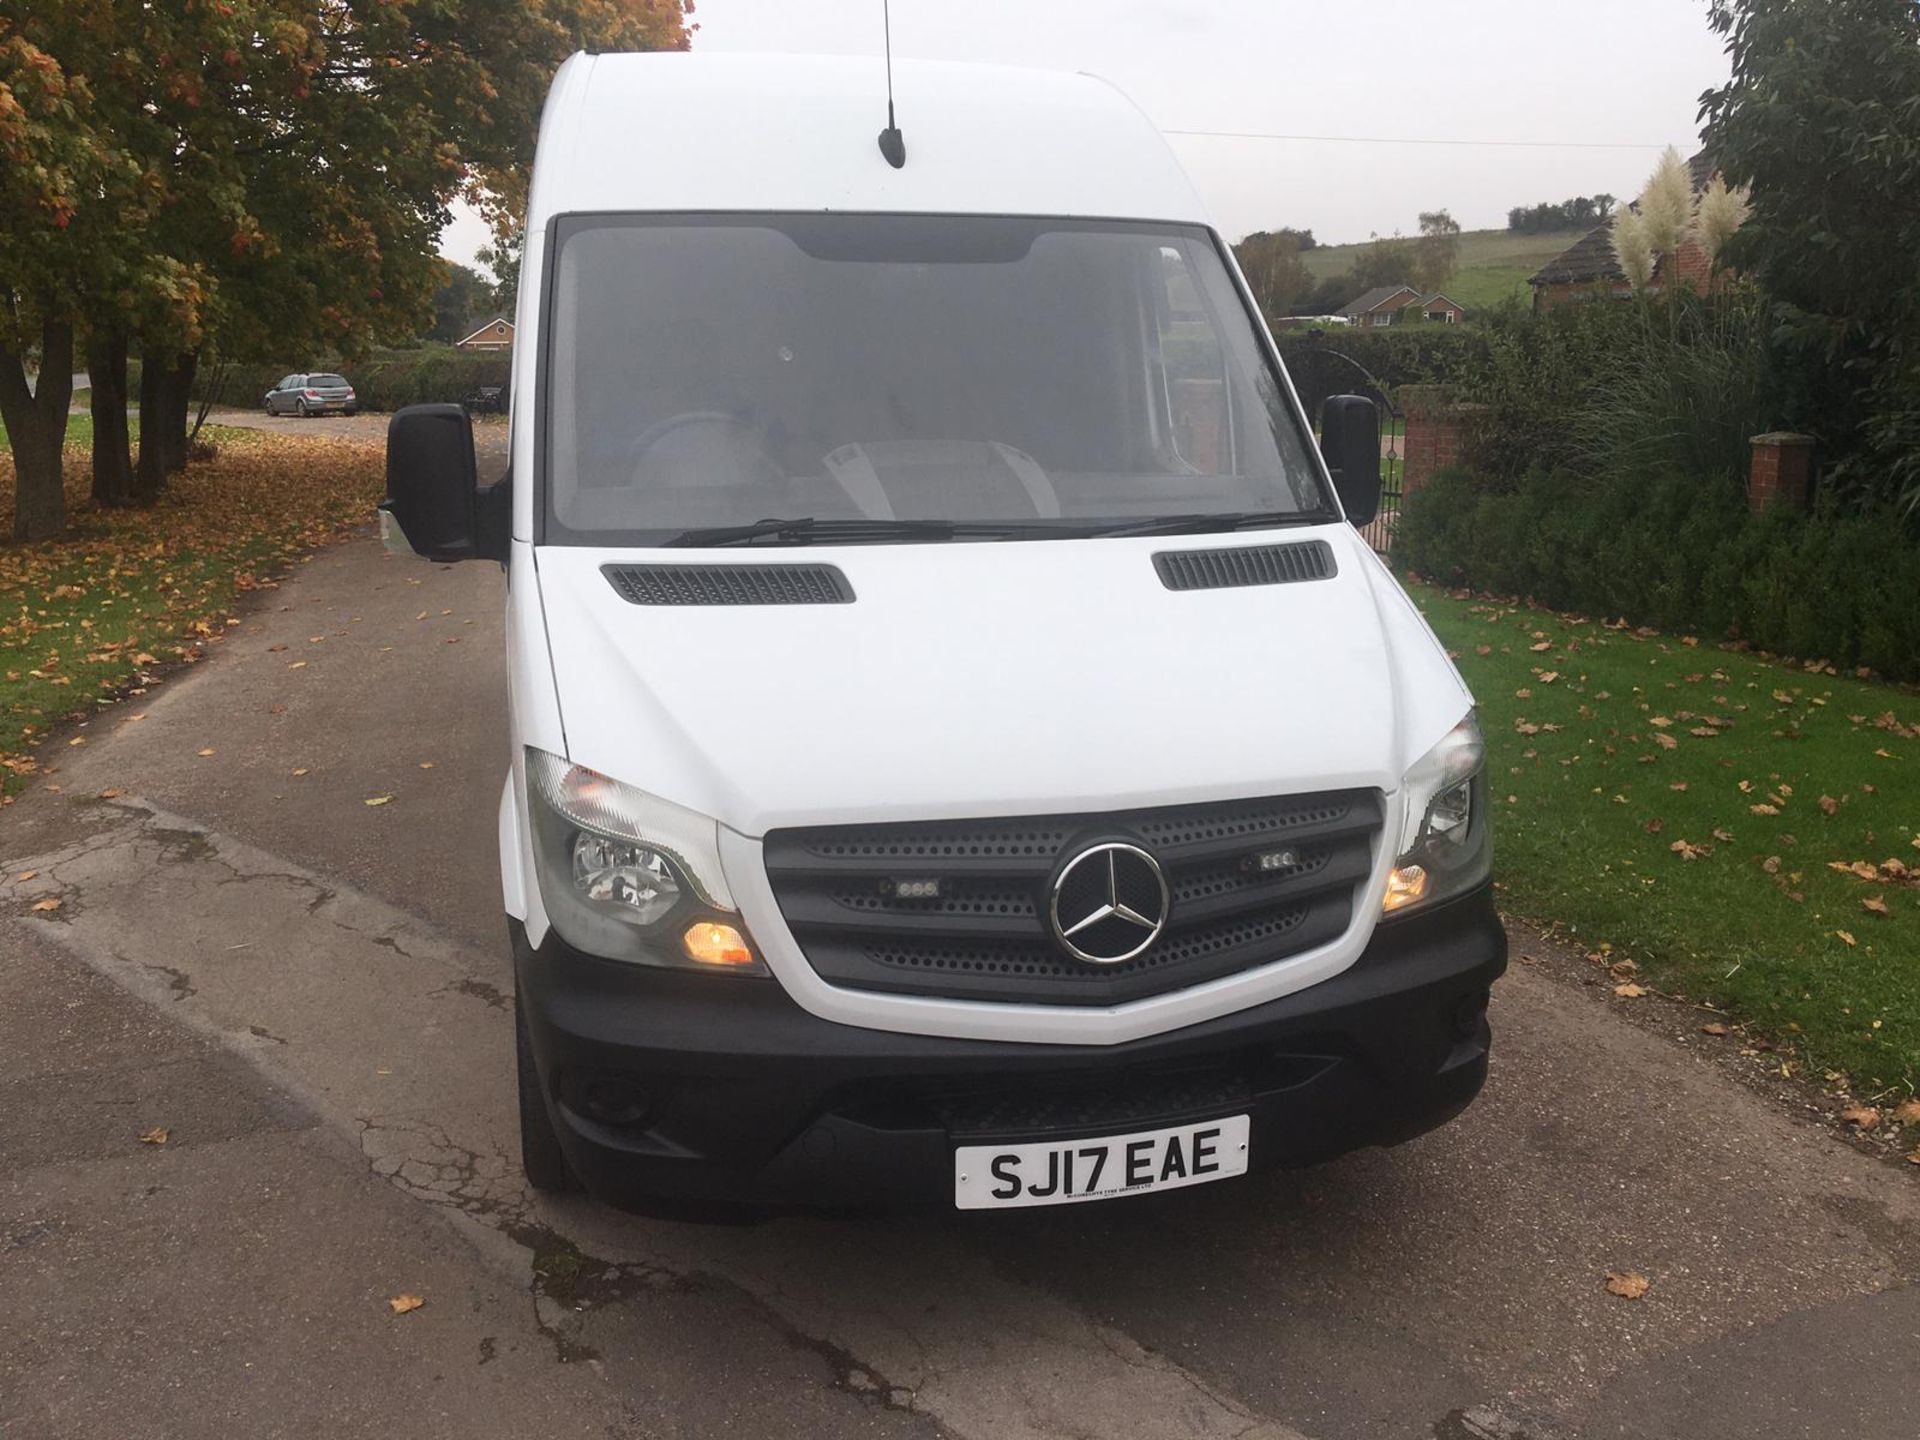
(989, 1177)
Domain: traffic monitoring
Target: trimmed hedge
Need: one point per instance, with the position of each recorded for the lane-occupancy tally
(384, 380)
(1670, 553)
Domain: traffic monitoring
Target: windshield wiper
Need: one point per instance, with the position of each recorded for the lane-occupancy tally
(1218, 520)
(812, 530)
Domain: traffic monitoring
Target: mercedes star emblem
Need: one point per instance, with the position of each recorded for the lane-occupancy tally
(1109, 903)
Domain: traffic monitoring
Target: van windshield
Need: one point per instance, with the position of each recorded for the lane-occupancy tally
(894, 377)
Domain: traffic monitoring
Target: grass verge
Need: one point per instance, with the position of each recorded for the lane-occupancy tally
(92, 615)
(1744, 830)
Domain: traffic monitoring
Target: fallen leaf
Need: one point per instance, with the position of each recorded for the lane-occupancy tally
(1687, 850)
(1667, 742)
(1713, 1027)
(1771, 864)
(1877, 904)
(1907, 1112)
(401, 1304)
(204, 753)
(1547, 677)
(109, 794)
(380, 800)
(1847, 937)
(1627, 1284)
(156, 1136)
(1654, 827)
(1861, 1117)
(48, 905)
(1660, 722)
(26, 875)
(1763, 809)
(1829, 805)
(1629, 991)
(1542, 645)
(1722, 834)
(301, 771)
(298, 665)
(426, 764)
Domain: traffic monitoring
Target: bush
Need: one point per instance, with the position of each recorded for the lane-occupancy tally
(1667, 551)
(1339, 362)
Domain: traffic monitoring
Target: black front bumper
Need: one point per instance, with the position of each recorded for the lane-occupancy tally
(665, 1085)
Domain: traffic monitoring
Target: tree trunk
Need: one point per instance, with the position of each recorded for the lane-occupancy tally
(36, 422)
(165, 378)
(179, 397)
(150, 475)
(112, 451)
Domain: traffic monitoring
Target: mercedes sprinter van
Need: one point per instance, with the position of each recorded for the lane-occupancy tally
(962, 751)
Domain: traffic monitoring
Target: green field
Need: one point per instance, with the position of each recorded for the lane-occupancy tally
(1746, 832)
(1493, 263)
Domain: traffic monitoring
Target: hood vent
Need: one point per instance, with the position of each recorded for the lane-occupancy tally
(730, 584)
(1231, 568)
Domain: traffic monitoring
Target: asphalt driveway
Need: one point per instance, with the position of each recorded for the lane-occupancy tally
(310, 994)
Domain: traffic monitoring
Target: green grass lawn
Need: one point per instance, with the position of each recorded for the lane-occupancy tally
(79, 435)
(127, 592)
(1747, 832)
(1493, 264)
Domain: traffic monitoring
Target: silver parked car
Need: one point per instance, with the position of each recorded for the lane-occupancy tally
(316, 394)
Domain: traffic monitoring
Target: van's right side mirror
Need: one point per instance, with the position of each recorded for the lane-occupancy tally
(433, 492)
(1350, 441)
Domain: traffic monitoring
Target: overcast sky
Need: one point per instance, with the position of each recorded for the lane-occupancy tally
(1605, 86)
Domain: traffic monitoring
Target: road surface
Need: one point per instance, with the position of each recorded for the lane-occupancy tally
(311, 995)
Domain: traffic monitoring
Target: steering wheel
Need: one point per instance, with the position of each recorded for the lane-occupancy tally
(660, 429)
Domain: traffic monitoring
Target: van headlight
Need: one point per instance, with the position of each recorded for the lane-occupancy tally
(628, 876)
(1446, 846)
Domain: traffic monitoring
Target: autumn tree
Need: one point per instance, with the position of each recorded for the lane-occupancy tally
(52, 151)
(1271, 261)
(1436, 253)
(269, 177)
(1384, 261)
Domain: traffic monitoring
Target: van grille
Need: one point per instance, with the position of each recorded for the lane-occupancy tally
(730, 584)
(986, 936)
(1230, 568)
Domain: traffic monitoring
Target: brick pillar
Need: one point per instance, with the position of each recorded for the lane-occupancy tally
(1782, 473)
(1437, 430)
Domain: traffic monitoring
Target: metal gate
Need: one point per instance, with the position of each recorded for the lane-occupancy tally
(1319, 372)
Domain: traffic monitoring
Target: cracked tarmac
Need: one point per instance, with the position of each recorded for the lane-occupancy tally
(312, 995)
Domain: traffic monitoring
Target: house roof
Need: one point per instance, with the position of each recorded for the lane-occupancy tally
(1588, 259)
(497, 320)
(1376, 298)
(1426, 300)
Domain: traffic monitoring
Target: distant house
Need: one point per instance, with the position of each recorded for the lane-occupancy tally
(1589, 270)
(1379, 305)
(496, 334)
(1438, 308)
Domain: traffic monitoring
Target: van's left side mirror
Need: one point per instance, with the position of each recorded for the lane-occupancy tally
(1350, 441)
(433, 487)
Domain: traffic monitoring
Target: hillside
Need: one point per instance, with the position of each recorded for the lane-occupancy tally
(1493, 263)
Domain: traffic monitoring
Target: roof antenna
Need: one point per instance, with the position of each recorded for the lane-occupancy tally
(893, 144)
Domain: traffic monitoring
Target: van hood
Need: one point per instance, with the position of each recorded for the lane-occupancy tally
(1000, 678)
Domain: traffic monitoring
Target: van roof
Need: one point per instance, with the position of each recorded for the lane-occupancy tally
(683, 132)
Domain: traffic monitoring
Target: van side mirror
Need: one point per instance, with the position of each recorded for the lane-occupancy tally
(1350, 441)
(433, 487)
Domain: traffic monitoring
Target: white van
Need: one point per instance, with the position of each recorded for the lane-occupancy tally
(962, 750)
